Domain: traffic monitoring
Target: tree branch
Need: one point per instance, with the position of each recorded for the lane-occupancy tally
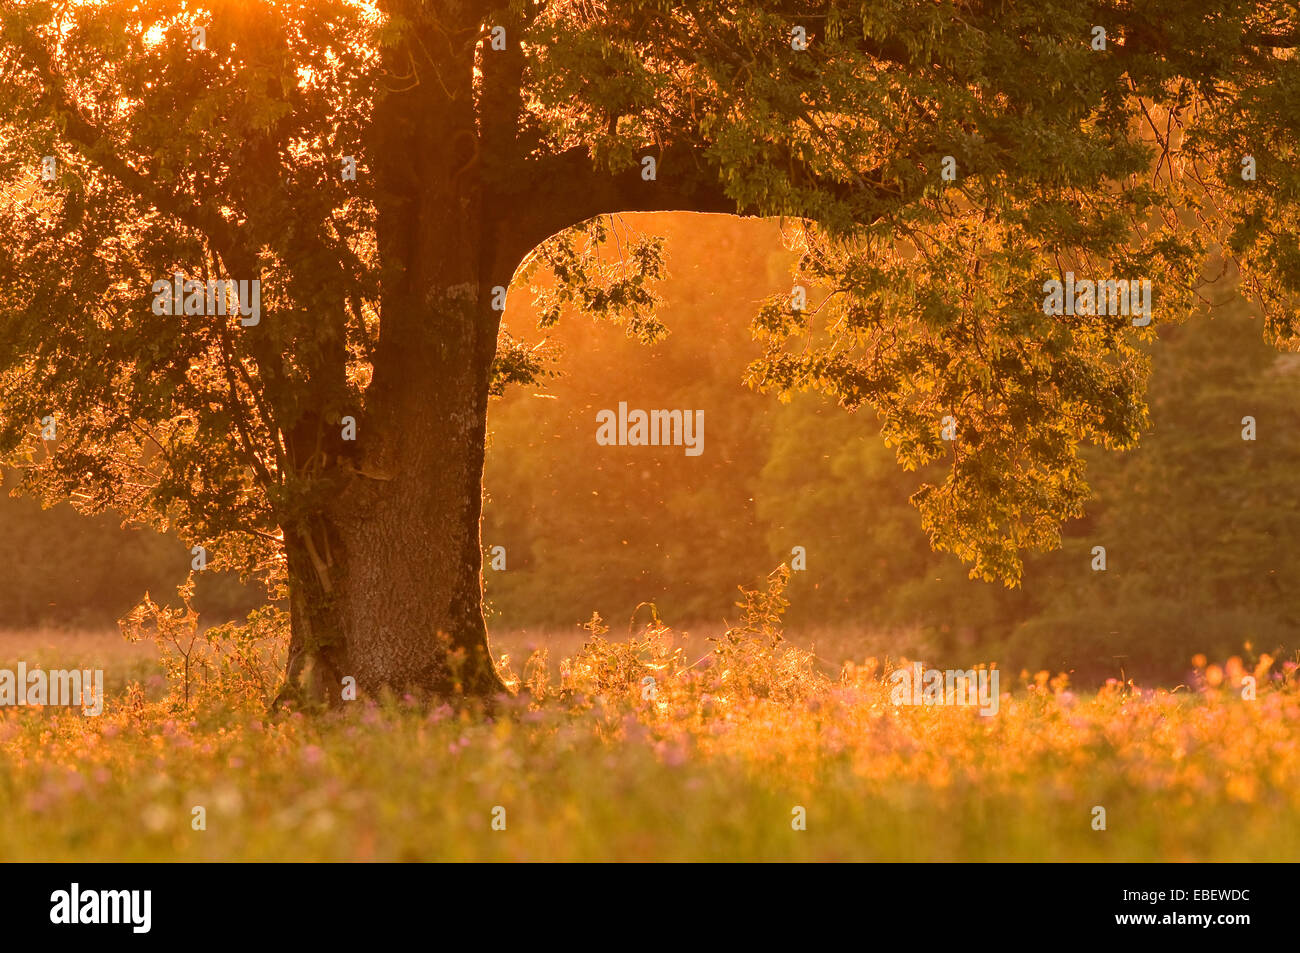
(564, 189)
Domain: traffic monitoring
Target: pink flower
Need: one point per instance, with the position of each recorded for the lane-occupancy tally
(671, 753)
(441, 713)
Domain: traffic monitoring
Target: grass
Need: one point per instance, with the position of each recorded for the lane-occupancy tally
(707, 763)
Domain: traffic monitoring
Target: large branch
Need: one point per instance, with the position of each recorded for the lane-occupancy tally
(1288, 40)
(564, 189)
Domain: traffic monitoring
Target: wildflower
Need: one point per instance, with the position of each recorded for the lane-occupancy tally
(671, 753)
(441, 713)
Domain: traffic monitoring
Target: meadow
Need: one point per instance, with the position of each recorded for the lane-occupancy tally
(657, 746)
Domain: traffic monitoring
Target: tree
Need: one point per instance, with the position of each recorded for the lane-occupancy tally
(941, 161)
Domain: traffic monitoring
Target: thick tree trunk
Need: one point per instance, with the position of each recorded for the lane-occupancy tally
(386, 583)
(390, 573)
(408, 593)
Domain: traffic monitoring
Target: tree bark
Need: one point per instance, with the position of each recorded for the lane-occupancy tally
(386, 585)
(407, 569)
(395, 559)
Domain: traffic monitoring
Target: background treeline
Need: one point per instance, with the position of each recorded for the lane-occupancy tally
(64, 570)
(1198, 525)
